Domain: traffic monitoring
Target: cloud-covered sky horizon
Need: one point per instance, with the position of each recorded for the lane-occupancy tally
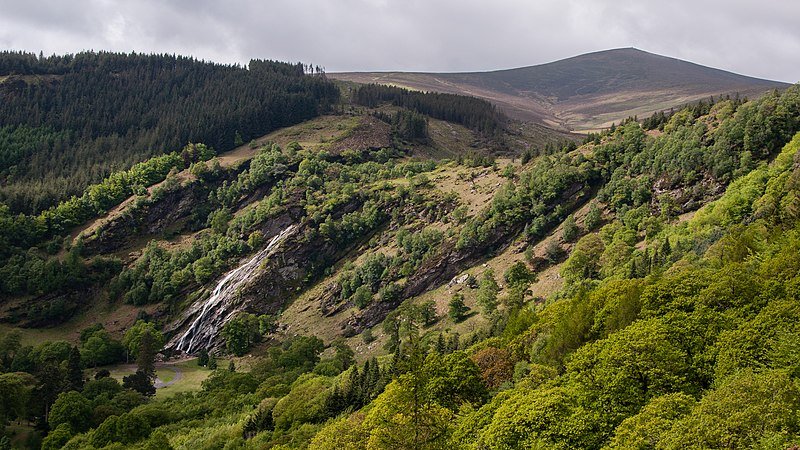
(759, 39)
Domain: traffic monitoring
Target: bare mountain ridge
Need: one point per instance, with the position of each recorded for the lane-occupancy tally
(584, 92)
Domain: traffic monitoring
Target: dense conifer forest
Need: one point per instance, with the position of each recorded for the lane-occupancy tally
(68, 121)
(471, 112)
(397, 305)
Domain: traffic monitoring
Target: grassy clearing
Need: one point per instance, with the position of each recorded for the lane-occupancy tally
(116, 317)
(185, 375)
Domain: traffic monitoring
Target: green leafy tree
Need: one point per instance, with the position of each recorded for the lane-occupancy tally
(487, 293)
(457, 309)
(593, 218)
(362, 296)
(304, 403)
(624, 371)
(98, 348)
(570, 229)
(746, 410)
(427, 313)
(157, 441)
(133, 337)
(647, 429)
(56, 438)
(202, 357)
(15, 394)
(73, 409)
(218, 221)
(584, 261)
(241, 332)
(518, 275)
(140, 382)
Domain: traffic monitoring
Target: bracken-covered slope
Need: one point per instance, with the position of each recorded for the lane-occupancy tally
(585, 92)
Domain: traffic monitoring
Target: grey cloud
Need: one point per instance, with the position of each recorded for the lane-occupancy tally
(753, 38)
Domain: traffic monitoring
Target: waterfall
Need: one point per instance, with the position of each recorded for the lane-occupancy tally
(225, 289)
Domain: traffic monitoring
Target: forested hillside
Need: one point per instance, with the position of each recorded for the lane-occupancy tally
(68, 121)
(636, 291)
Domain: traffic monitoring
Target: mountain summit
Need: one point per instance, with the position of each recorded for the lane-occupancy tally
(584, 92)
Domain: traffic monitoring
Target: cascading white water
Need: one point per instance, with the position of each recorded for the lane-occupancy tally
(226, 288)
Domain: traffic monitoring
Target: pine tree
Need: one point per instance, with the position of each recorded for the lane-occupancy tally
(666, 250)
(353, 386)
(74, 372)
(374, 379)
(452, 346)
(441, 345)
(212, 362)
(146, 357)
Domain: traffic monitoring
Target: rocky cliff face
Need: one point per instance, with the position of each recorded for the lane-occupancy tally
(170, 211)
(263, 283)
(450, 261)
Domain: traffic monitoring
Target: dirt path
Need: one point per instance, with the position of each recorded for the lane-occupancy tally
(178, 375)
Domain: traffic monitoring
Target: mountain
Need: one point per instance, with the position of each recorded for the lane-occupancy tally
(384, 275)
(584, 92)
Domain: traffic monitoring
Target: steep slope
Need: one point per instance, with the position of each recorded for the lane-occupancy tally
(347, 242)
(68, 121)
(585, 92)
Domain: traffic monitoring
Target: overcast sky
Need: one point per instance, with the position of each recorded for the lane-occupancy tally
(757, 38)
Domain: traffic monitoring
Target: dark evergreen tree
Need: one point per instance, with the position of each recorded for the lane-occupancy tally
(140, 382)
(75, 379)
(202, 357)
(146, 357)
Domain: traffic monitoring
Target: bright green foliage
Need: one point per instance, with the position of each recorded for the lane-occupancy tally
(768, 341)
(593, 218)
(304, 403)
(133, 337)
(56, 438)
(241, 332)
(534, 419)
(401, 420)
(646, 430)
(73, 409)
(487, 292)
(15, 391)
(620, 374)
(584, 261)
(98, 348)
(747, 410)
(346, 433)
(457, 308)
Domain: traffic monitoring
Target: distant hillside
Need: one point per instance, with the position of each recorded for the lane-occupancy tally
(68, 121)
(585, 92)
